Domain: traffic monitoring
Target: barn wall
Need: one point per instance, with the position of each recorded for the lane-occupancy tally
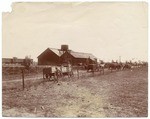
(48, 58)
(80, 60)
(67, 57)
(84, 61)
(74, 61)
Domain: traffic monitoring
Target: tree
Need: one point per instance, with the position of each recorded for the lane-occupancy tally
(27, 62)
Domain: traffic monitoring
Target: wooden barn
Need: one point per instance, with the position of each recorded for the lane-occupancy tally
(52, 56)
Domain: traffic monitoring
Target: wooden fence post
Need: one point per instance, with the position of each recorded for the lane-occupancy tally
(23, 79)
(93, 73)
(103, 71)
(100, 70)
(78, 72)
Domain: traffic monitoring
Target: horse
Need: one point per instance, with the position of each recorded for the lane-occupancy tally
(127, 66)
(92, 67)
(113, 66)
(119, 66)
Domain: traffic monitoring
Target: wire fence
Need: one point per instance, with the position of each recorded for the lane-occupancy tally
(14, 78)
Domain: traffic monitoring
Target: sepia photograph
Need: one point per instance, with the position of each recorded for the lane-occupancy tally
(75, 59)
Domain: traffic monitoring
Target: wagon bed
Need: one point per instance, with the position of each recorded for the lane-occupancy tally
(52, 71)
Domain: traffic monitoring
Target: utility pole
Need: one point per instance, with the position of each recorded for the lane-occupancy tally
(119, 58)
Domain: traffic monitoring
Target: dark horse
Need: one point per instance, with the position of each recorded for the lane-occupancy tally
(92, 67)
(113, 66)
(127, 66)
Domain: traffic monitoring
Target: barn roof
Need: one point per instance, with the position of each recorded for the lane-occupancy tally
(82, 55)
(58, 52)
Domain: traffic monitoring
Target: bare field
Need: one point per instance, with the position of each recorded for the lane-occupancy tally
(117, 94)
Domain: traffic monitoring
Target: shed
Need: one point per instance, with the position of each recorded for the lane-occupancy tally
(76, 58)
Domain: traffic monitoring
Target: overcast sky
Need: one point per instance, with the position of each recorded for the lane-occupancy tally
(107, 30)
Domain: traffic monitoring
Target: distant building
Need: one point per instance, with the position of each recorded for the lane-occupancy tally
(7, 60)
(52, 56)
(14, 60)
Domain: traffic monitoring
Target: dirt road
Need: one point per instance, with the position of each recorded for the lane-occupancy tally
(117, 94)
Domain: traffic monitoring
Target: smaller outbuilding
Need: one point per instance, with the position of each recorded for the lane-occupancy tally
(76, 58)
(14, 60)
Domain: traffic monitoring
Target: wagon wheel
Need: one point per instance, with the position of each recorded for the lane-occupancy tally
(50, 76)
(46, 76)
(72, 73)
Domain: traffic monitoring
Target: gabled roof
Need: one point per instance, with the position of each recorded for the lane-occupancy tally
(56, 51)
(82, 55)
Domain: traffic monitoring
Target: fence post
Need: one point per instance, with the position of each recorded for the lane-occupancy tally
(22, 79)
(78, 72)
(103, 71)
(93, 73)
(100, 70)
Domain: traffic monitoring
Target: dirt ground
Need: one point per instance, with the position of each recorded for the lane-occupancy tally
(116, 94)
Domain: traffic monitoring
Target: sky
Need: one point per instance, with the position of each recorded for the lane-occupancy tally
(107, 30)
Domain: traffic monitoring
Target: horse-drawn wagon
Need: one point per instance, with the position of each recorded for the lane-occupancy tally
(92, 67)
(95, 68)
(57, 71)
